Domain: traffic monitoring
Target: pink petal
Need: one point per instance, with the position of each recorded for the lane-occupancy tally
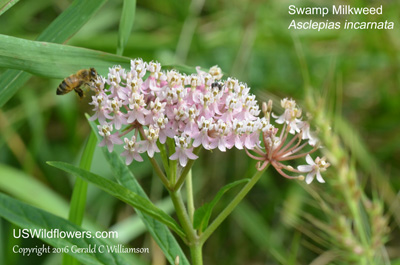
(174, 156)
(183, 159)
(190, 155)
(137, 157)
(129, 159)
(305, 168)
(309, 160)
(319, 178)
(310, 177)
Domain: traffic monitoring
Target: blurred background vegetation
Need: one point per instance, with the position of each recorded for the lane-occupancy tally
(348, 80)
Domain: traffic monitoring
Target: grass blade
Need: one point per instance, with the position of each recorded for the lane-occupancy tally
(252, 224)
(26, 188)
(52, 60)
(28, 217)
(125, 24)
(60, 30)
(78, 200)
(6, 4)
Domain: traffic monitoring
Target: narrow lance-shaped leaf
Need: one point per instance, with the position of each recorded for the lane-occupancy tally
(6, 4)
(24, 187)
(29, 217)
(52, 60)
(125, 24)
(121, 193)
(252, 223)
(160, 233)
(60, 30)
(79, 194)
(202, 215)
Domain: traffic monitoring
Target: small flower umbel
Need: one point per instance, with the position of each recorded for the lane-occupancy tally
(290, 143)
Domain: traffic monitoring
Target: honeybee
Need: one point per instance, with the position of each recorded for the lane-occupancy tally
(75, 81)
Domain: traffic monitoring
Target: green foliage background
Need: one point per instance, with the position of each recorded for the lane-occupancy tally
(354, 72)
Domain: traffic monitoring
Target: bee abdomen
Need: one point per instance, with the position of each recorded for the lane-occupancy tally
(62, 88)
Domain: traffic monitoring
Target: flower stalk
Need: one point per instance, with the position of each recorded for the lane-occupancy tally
(231, 206)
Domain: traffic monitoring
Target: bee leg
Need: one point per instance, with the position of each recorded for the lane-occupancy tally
(79, 92)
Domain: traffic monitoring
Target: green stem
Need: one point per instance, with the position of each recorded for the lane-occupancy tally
(164, 157)
(78, 199)
(186, 170)
(183, 216)
(189, 194)
(192, 238)
(172, 163)
(231, 206)
(156, 167)
(196, 254)
(186, 216)
(159, 172)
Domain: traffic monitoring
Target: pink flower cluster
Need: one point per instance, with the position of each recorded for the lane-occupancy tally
(192, 110)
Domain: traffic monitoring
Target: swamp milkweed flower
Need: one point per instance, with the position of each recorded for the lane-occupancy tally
(147, 106)
(197, 110)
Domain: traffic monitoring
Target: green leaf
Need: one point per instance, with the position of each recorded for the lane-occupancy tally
(121, 193)
(26, 188)
(60, 30)
(125, 24)
(29, 217)
(132, 227)
(6, 4)
(202, 215)
(78, 200)
(252, 223)
(160, 233)
(53, 60)
(79, 194)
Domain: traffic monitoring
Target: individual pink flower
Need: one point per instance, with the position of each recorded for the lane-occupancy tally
(222, 132)
(137, 105)
(149, 145)
(157, 109)
(314, 168)
(101, 108)
(236, 138)
(108, 139)
(202, 137)
(290, 115)
(131, 151)
(307, 134)
(183, 150)
(119, 117)
(216, 72)
(138, 67)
